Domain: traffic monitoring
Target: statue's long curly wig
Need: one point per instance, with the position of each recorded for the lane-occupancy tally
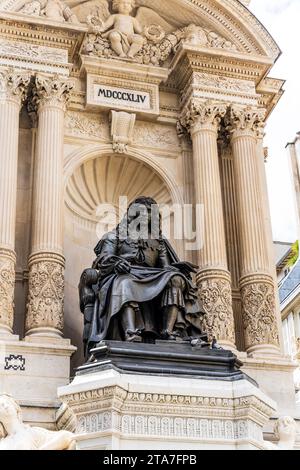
(144, 201)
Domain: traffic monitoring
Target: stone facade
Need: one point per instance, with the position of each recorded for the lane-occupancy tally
(176, 112)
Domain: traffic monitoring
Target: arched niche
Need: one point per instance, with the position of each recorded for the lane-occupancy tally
(95, 176)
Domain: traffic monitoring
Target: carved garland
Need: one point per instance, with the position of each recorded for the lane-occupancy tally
(158, 47)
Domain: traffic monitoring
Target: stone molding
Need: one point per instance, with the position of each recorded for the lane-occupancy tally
(13, 86)
(46, 291)
(259, 310)
(7, 287)
(170, 415)
(214, 291)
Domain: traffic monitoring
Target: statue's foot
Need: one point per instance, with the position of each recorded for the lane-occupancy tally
(133, 336)
(168, 336)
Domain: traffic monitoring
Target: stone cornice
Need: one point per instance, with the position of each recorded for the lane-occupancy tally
(190, 59)
(38, 32)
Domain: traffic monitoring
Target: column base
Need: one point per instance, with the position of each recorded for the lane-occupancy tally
(264, 350)
(43, 332)
(7, 332)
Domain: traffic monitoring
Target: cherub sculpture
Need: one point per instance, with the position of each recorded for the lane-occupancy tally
(124, 31)
(15, 435)
(56, 10)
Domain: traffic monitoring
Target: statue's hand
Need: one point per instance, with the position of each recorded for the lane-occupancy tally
(186, 268)
(122, 267)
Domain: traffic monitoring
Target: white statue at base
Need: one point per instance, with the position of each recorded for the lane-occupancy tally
(285, 431)
(15, 435)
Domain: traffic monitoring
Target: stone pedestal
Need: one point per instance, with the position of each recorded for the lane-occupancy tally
(31, 372)
(117, 408)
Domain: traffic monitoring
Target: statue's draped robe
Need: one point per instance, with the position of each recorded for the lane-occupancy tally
(150, 274)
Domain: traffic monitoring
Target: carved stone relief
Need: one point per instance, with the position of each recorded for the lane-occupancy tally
(46, 293)
(86, 125)
(259, 317)
(7, 285)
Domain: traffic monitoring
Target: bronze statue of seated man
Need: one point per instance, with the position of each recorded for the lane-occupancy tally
(137, 289)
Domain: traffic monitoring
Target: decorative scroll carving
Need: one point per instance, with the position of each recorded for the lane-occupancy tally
(46, 292)
(52, 91)
(223, 83)
(33, 51)
(86, 125)
(214, 290)
(7, 286)
(13, 85)
(200, 113)
(245, 120)
(122, 127)
(155, 135)
(259, 311)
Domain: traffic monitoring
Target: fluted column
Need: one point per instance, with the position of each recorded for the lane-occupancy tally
(213, 279)
(188, 190)
(12, 91)
(261, 159)
(46, 262)
(256, 281)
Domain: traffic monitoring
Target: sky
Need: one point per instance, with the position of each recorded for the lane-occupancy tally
(282, 19)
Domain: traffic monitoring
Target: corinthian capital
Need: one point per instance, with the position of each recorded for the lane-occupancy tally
(13, 85)
(202, 114)
(246, 120)
(52, 91)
